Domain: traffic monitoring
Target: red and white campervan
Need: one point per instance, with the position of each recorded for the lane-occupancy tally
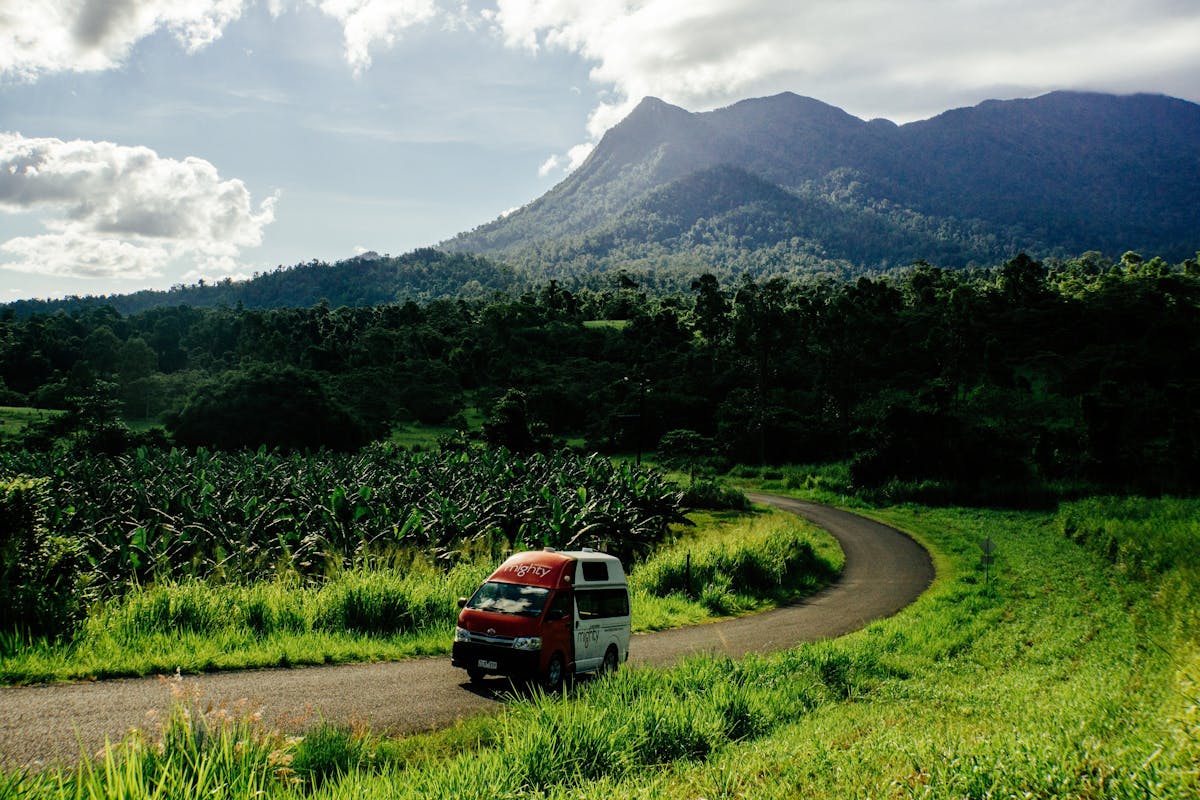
(546, 614)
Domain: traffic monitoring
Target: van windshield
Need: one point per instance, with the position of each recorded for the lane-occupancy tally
(509, 598)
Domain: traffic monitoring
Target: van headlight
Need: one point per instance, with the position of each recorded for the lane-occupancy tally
(527, 643)
(461, 634)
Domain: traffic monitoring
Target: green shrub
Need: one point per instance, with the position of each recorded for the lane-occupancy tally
(713, 495)
(41, 583)
(328, 752)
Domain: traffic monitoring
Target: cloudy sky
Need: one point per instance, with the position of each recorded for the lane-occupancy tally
(145, 143)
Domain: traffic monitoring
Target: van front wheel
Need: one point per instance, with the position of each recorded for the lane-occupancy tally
(555, 672)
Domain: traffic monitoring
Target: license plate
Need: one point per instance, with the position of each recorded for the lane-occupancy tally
(483, 664)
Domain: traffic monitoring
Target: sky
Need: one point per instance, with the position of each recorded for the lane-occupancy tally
(148, 143)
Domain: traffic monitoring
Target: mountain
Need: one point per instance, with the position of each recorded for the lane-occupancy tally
(788, 183)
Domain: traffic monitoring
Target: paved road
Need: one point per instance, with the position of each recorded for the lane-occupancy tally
(885, 571)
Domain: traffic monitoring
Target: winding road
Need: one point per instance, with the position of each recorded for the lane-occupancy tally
(40, 725)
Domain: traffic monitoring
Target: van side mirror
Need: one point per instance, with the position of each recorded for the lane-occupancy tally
(556, 614)
(462, 602)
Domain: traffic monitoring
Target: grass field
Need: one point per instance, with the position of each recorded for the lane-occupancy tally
(611, 324)
(415, 435)
(14, 420)
(1074, 673)
(406, 611)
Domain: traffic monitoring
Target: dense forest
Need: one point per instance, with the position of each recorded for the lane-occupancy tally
(1080, 373)
(370, 279)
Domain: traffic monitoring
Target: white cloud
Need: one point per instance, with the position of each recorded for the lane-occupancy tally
(114, 211)
(77, 255)
(42, 36)
(549, 165)
(368, 23)
(579, 153)
(47, 36)
(903, 61)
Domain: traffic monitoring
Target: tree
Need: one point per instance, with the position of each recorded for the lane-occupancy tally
(136, 361)
(510, 425)
(92, 422)
(280, 407)
(685, 449)
(711, 310)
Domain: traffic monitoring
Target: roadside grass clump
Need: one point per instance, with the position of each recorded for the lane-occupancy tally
(328, 752)
(392, 602)
(196, 753)
(769, 557)
(710, 493)
(1146, 538)
(620, 729)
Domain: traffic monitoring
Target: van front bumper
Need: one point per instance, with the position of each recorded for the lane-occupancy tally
(474, 656)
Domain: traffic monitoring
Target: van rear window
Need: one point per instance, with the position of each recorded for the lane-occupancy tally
(595, 570)
(509, 598)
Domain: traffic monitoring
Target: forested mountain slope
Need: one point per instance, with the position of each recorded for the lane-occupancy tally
(788, 184)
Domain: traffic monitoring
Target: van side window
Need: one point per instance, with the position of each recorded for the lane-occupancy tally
(599, 603)
(595, 571)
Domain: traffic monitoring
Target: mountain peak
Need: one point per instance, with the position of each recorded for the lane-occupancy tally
(648, 127)
(650, 102)
(652, 112)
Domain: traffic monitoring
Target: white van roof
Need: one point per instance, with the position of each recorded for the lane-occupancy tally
(595, 569)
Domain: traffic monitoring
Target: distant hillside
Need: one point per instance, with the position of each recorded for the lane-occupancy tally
(790, 184)
(367, 280)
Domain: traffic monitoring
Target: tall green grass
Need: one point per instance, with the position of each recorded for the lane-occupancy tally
(1063, 677)
(1154, 542)
(196, 625)
(195, 753)
(404, 610)
(774, 557)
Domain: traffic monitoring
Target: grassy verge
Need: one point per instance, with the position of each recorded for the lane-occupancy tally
(15, 419)
(741, 563)
(416, 435)
(1070, 674)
